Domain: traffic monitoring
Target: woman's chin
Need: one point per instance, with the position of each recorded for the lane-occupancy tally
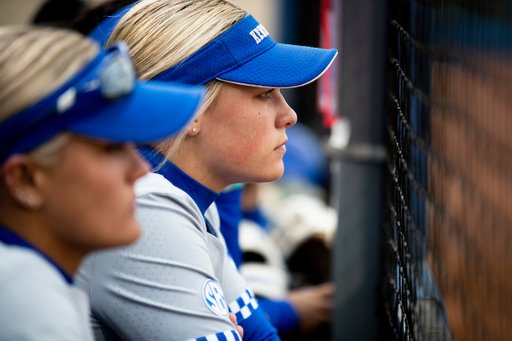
(271, 176)
(132, 233)
(128, 234)
(267, 174)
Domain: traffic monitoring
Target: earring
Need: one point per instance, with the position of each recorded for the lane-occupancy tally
(194, 129)
(33, 201)
(30, 200)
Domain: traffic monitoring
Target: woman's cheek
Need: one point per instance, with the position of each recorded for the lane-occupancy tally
(252, 145)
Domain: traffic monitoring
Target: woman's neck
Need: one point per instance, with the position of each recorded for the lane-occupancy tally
(202, 195)
(30, 227)
(186, 160)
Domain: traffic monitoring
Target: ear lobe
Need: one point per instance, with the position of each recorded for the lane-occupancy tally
(195, 127)
(192, 131)
(19, 178)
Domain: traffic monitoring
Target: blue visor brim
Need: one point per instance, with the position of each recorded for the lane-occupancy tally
(152, 112)
(282, 66)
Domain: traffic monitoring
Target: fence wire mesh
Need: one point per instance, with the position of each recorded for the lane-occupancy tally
(448, 226)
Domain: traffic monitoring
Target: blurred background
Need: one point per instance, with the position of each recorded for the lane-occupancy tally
(15, 12)
(398, 181)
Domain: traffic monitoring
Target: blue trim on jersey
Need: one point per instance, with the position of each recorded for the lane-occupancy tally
(10, 238)
(202, 196)
(244, 306)
(228, 205)
(281, 314)
(229, 335)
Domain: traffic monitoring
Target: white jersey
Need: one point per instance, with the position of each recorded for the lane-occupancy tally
(175, 283)
(36, 303)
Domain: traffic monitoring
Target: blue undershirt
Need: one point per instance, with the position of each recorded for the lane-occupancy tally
(9, 238)
(228, 205)
(256, 327)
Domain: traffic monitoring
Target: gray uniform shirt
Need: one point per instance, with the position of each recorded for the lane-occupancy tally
(174, 283)
(36, 303)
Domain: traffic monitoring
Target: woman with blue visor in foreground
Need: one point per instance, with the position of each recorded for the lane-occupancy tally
(70, 114)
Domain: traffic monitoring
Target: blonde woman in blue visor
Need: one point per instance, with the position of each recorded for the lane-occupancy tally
(70, 114)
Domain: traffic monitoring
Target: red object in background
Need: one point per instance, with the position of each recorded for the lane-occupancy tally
(327, 97)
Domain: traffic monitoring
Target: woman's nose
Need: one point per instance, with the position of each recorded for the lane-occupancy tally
(287, 116)
(139, 167)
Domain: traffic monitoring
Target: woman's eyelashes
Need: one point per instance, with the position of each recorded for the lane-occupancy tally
(113, 147)
(266, 94)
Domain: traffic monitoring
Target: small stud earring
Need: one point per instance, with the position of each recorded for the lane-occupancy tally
(20, 195)
(194, 129)
(33, 201)
(29, 199)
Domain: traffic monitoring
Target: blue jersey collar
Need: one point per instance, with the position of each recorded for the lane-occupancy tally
(9, 238)
(202, 196)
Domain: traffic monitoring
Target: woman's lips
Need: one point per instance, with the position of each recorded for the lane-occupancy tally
(281, 148)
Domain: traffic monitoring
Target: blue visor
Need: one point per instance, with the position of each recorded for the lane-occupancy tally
(247, 55)
(104, 101)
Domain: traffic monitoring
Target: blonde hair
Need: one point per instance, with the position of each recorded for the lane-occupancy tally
(162, 33)
(33, 63)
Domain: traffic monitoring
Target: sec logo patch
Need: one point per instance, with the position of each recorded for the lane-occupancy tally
(214, 298)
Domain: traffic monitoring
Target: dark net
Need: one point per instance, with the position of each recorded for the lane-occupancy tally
(448, 227)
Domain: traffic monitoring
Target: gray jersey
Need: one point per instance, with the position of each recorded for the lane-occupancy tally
(36, 303)
(175, 283)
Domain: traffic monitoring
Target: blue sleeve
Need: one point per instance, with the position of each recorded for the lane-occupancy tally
(281, 314)
(257, 327)
(228, 205)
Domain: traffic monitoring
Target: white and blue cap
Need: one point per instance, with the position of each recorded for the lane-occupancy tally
(247, 55)
(105, 101)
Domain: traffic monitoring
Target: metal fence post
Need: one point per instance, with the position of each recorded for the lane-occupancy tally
(358, 175)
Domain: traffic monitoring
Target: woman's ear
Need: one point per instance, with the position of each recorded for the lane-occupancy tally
(195, 127)
(20, 177)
